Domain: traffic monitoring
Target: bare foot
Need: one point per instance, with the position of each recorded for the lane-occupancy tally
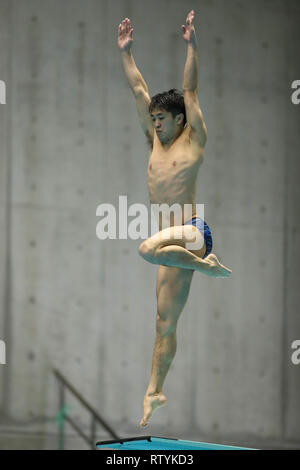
(151, 402)
(216, 269)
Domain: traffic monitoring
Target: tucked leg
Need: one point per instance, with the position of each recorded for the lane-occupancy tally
(169, 248)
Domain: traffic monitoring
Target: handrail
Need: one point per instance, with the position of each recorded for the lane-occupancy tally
(96, 418)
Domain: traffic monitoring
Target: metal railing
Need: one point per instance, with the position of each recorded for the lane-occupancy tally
(95, 417)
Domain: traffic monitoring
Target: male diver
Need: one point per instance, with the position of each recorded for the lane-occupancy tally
(176, 133)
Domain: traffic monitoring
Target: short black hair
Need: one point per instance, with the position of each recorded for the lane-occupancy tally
(171, 101)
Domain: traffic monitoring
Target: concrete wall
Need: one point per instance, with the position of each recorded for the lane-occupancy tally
(70, 140)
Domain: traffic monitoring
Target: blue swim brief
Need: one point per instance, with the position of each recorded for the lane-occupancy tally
(202, 226)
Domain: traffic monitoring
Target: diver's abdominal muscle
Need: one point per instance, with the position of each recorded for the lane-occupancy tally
(175, 184)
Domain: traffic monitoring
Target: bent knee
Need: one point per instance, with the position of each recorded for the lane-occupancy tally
(146, 251)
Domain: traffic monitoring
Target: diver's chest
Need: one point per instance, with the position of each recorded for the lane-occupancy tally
(171, 170)
(180, 158)
(162, 165)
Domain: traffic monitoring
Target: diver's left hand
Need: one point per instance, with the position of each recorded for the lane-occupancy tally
(188, 29)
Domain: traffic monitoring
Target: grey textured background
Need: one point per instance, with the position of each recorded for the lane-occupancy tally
(70, 140)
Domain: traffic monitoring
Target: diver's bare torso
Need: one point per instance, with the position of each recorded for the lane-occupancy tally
(173, 170)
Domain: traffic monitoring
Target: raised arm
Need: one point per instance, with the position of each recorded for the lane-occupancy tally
(194, 114)
(135, 79)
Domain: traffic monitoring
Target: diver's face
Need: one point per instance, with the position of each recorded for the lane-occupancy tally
(164, 124)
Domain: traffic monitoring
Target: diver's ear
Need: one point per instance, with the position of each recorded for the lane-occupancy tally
(180, 118)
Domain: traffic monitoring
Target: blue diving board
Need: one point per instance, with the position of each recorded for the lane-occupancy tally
(162, 443)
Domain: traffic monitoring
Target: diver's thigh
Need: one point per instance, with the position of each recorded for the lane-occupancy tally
(172, 289)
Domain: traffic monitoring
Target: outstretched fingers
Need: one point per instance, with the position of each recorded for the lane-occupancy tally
(190, 17)
(188, 27)
(126, 25)
(125, 28)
